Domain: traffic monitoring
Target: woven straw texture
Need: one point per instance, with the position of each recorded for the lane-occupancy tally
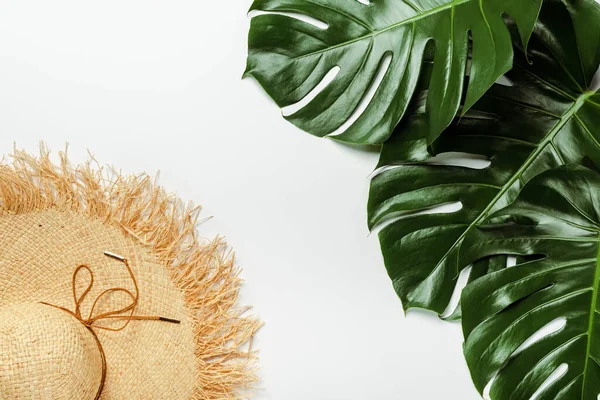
(55, 217)
(43, 347)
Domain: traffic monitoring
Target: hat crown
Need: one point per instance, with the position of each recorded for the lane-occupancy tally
(45, 353)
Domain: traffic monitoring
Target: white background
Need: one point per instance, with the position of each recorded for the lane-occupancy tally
(149, 85)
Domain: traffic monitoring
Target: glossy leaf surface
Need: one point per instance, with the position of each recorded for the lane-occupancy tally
(547, 118)
(556, 220)
(290, 57)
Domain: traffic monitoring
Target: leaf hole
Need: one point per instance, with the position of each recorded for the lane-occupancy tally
(443, 208)
(458, 159)
(547, 330)
(302, 17)
(513, 261)
(327, 79)
(505, 81)
(554, 376)
(451, 158)
(365, 2)
(595, 85)
(461, 282)
(468, 65)
(384, 66)
(488, 387)
(382, 169)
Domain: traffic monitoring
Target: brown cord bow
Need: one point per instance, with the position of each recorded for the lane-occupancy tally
(90, 321)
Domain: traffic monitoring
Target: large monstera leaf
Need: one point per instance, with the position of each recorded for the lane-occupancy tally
(290, 57)
(547, 118)
(555, 222)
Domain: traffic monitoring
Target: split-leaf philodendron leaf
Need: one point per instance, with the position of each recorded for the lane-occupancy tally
(548, 118)
(290, 57)
(556, 221)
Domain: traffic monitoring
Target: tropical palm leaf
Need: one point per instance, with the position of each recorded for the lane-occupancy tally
(555, 220)
(547, 118)
(290, 57)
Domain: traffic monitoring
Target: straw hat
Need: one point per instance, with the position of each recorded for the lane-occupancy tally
(107, 293)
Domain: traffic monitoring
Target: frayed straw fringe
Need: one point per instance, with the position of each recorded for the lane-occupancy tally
(204, 272)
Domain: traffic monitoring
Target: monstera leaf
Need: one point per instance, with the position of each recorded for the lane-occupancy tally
(290, 57)
(547, 118)
(555, 222)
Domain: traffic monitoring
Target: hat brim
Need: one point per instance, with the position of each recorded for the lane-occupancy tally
(53, 218)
